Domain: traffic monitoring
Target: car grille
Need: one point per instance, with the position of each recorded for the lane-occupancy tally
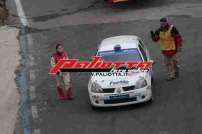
(108, 90)
(120, 100)
(128, 88)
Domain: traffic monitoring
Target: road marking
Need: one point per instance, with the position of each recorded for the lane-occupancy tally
(163, 132)
(31, 59)
(37, 131)
(32, 93)
(32, 75)
(34, 111)
(21, 13)
(24, 77)
(30, 41)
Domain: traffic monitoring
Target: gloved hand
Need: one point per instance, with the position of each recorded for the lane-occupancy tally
(152, 34)
(59, 73)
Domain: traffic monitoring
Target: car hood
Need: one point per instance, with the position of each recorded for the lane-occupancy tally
(106, 81)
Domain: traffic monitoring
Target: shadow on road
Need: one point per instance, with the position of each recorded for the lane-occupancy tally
(123, 108)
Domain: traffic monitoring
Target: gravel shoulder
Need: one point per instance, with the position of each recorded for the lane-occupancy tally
(9, 95)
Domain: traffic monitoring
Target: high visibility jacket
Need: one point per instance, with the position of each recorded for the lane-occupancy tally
(167, 42)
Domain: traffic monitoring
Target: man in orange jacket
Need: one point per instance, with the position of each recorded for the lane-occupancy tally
(62, 76)
(170, 43)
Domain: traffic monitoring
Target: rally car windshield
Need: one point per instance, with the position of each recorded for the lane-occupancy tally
(122, 55)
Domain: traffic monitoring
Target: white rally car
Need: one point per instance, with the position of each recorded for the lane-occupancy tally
(116, 90)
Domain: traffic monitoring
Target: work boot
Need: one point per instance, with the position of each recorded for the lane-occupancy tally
(69, 94)
(60, 93)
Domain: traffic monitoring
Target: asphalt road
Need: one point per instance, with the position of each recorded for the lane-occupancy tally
(177, 105)
(52, 8)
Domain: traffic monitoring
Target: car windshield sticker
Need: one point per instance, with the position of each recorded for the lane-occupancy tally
(123, 51)
(123, 55)
(122, 82)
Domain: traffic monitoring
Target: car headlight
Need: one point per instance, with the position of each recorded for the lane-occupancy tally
(96, 88)
(141, 83)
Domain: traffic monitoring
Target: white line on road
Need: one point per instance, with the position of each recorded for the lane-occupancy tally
(34, 111)
(31, 59)
(32, 75)
(32, 93)
(37, 131)
(21, 13)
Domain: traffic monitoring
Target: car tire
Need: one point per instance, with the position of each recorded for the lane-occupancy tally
(94, 108)
(150, 101)
(152, 79)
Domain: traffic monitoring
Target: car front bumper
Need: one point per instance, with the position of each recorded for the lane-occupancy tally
(127, 98)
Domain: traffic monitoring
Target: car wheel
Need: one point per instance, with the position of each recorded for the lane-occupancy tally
(94, 108)
(150, 101)
(152, 79)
